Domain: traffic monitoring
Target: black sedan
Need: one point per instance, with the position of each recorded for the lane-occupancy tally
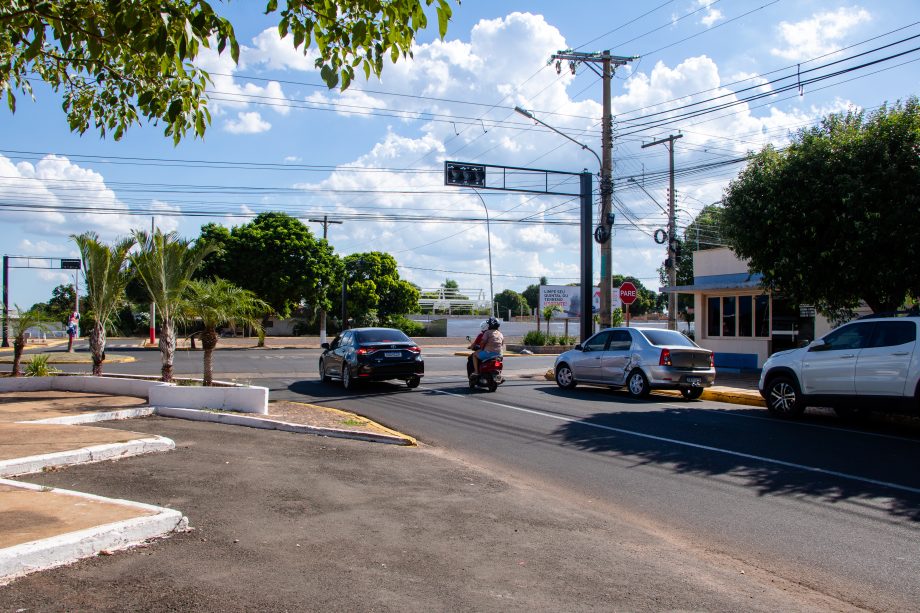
(372, 354)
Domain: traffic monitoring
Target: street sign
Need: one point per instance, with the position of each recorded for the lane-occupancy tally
(70, 264)
(628, 293)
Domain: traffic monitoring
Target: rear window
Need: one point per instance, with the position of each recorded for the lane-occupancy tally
(670, 338)
(383, 335)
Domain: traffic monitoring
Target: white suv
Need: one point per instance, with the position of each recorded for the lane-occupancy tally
(871, 363)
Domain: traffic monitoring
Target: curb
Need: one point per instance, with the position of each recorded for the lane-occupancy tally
(95, 453)
(64, 549)
(89, 418)
(235, 419)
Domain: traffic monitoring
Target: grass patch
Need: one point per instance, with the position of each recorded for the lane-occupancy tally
(354, 422)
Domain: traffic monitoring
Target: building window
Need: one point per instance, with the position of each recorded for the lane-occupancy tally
(745, 316)
(728, 315)
(714, 318)
(762, 315)
(734, 316)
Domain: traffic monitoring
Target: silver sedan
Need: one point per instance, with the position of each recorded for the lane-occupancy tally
(639, 359)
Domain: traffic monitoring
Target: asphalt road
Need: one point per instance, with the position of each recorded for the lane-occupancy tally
(827, 505)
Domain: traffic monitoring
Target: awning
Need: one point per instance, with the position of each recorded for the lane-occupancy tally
(730, 281)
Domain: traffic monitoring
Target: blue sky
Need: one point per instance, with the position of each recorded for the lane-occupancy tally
(373, 156)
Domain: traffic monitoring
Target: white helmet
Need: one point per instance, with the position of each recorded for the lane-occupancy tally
(484, 326)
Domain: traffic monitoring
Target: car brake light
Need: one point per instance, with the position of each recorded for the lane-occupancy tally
(415, 349)
(712, 360)
(362, 351)
(665, 359)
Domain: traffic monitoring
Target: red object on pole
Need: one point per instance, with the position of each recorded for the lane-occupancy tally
(628, 293)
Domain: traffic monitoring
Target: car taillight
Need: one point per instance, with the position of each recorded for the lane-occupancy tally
(665, 359)
(362, 351)
(712, 360)
(415, 349)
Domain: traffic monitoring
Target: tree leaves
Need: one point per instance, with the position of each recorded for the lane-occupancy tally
(824, 219)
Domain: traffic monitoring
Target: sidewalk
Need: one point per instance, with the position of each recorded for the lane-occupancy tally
(43, 527)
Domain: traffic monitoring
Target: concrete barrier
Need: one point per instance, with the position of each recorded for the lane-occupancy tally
(228, 397)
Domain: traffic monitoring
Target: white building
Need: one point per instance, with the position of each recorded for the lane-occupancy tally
(737, 319)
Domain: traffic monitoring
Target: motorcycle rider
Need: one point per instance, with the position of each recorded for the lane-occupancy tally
(492, 344)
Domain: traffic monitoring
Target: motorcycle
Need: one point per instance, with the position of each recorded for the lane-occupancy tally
(490, 372)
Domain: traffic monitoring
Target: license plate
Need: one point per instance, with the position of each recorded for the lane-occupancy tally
(695, 380)
(392, 354)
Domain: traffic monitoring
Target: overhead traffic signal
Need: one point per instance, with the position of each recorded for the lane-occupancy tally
(466, 175)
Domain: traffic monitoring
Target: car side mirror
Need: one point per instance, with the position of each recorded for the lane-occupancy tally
(325, 345)
(817, 345)
(578, 347)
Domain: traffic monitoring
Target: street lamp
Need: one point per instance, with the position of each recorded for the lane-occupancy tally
(603, 234)
(489, 237)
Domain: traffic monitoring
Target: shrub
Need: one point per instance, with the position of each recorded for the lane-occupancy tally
(38, 367)
(535, 337)
(410, 327)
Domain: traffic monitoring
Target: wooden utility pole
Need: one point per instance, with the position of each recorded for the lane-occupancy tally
(603, 235)
(322, 313)
(671, 262)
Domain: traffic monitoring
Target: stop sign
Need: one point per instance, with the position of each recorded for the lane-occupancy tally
(627, 293)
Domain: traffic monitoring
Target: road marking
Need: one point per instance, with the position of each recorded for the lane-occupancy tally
(673, 441)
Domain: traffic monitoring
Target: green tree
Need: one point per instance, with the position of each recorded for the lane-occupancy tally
(118, 61)
(62, 303)
(831, 219)
(532, 293)
(218, 303)
(277, 257)
(646, 299)
(510, 300)
(105, 270)
(33, 318)
(373, 284)
(165, 264)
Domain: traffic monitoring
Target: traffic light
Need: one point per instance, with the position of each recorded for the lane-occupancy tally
(466, 175)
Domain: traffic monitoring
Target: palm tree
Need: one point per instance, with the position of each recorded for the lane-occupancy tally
(33, 318)
(165, 264)
(106, 273)
(217, 303)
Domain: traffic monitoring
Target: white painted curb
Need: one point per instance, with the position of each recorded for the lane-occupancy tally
(96, 453)
(228, 396)
(267, 424)
(89, 418)
(56, 551)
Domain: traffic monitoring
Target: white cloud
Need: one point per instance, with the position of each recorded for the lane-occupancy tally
(711, 15)
(247, 123)
(820, 34)
(276, 53)
(351, 102)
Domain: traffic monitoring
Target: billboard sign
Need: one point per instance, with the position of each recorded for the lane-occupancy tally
(568, 299)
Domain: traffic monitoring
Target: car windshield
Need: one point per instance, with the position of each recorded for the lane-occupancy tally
(670, 338)
(381, 336)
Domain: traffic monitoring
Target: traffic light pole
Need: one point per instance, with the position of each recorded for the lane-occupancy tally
(463, 174)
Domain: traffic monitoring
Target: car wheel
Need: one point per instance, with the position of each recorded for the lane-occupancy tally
(637, 384)
(691, 393)
(784, 398)
(565, 378)
(412, 382)
(322, 372)
(347, 382)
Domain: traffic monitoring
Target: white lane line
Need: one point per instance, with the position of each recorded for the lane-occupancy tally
(673, 441)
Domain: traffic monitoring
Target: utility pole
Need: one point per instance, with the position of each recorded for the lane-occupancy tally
(322, 313)
(671, 262)
(604, 233)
